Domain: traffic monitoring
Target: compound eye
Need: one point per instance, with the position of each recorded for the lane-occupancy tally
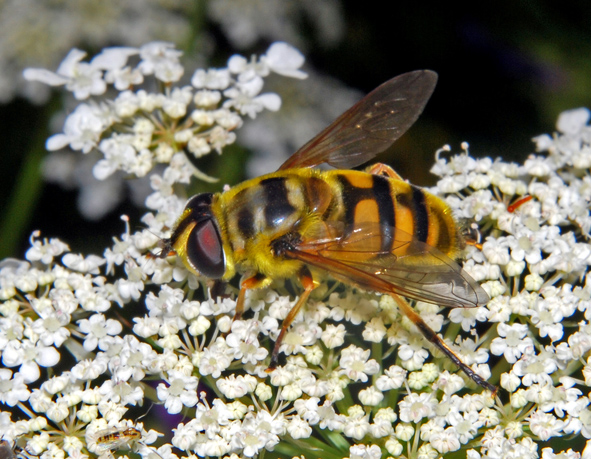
(205, 251)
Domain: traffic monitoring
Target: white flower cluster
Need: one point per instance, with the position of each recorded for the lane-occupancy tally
(138, 129)
(85, 338)
(535, 259)
(37, 32)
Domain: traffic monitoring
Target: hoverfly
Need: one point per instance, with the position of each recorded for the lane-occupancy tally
(371, 228)
(111, 439)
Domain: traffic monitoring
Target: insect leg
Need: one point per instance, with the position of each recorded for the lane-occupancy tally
(478, 245)
(471, 236)
(383, 169)
(439, 343)
(255, 281)
(218, 289)
(309, 284)
(370, 281)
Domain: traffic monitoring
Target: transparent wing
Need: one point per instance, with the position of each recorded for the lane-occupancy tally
(370, 126)
(411, 268)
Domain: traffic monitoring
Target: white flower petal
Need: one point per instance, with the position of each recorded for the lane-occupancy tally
(70, 63)
(237, 63)
(47, 356)
(44, 76)
(571, 121)
(57, 142)
(285, 60)
(113, 58)
(30, 371)
(270, 101)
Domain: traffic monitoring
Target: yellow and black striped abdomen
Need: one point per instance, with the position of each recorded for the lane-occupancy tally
(401, 212)
(372, 214)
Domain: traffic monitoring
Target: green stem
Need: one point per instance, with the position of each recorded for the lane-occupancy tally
(293, 448)
(23, 200)
(453, 329)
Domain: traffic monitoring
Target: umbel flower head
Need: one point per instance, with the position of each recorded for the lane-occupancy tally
(85, 338)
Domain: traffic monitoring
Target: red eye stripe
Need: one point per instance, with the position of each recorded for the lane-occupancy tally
(208, 240)
(205, 251)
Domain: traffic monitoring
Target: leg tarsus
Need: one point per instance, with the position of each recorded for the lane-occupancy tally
(240, 304)
(432, 337)
(255, 281)
(383, 169)
(309, 284)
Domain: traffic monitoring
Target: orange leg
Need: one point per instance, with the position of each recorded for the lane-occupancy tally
(309, 285)
(366, 279)
(478, 245)
(383, 169)
(240, 304)
(256, 281)
(471, 235)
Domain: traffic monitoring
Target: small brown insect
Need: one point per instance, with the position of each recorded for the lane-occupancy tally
(112, 439)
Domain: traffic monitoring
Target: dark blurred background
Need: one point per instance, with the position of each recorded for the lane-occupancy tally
(505, 74)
